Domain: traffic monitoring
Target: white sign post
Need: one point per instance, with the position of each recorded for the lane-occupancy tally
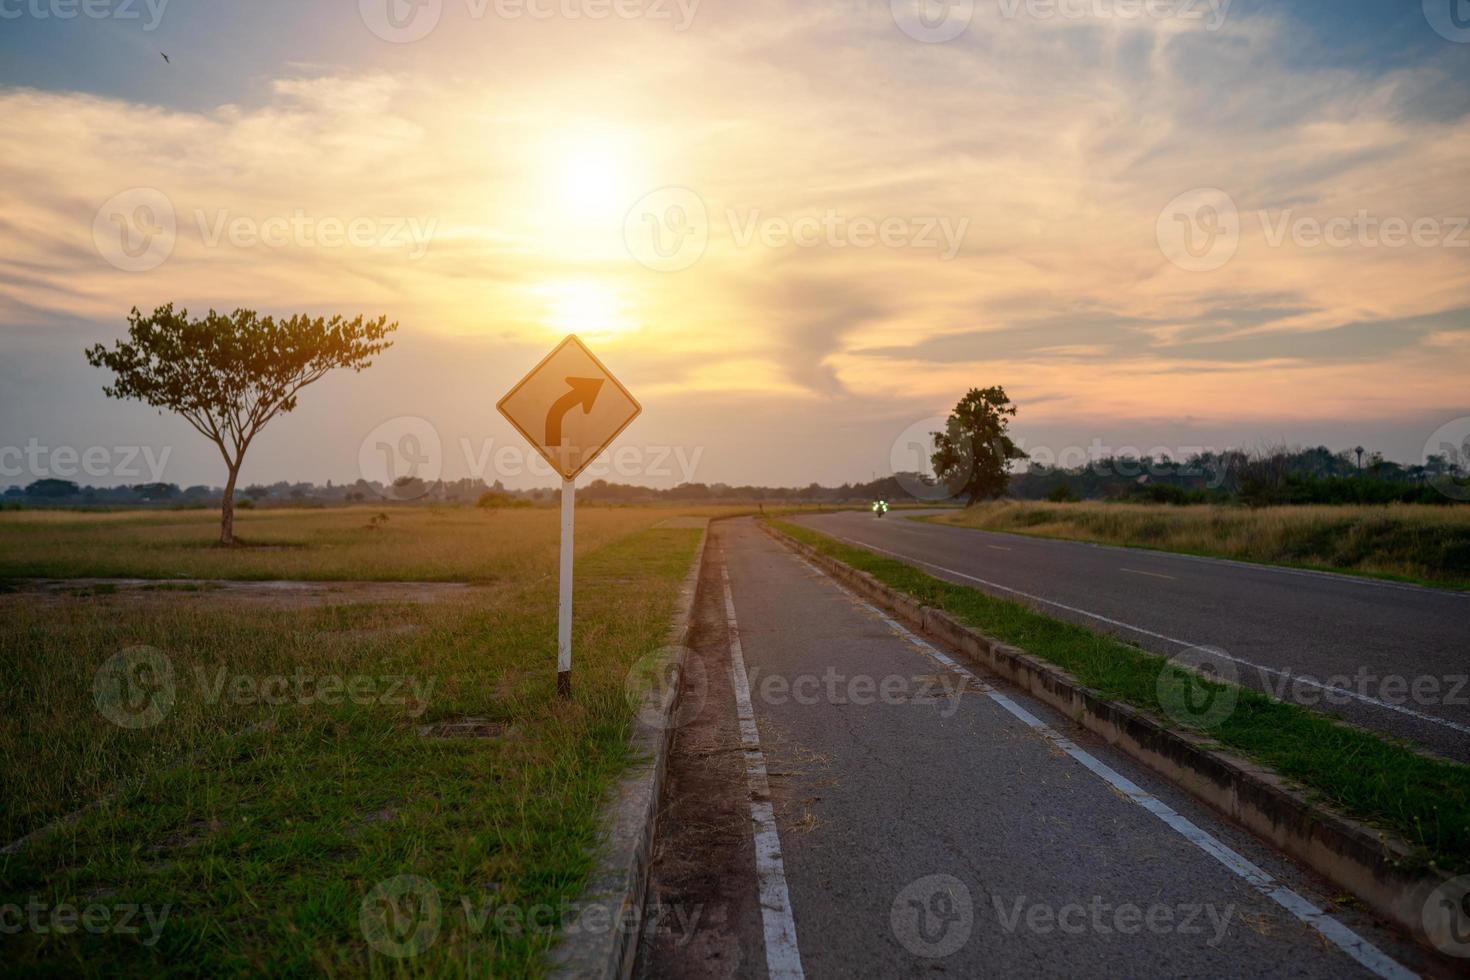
(542, 407)
(564, 605)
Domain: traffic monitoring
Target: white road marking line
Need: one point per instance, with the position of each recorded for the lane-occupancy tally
(1284, 674)
(996, 547)
(1137, 571)
(1369, 956)
(783, 958)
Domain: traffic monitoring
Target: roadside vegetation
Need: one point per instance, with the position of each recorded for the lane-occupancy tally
(1402, 541)
(255, 808)
(1263, 478)
(1425, 800)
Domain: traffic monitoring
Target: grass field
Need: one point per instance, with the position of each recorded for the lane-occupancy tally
(427, 544)
(1383, 783)
(1401, 541)
(277, 760)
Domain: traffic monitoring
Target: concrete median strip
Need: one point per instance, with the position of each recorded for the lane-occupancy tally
(1375, 866)
(601, 939)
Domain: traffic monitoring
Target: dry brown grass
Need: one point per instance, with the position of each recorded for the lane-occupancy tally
(427, 544)
(1407, 541)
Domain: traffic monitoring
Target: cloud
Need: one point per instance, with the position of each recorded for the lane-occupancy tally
(1104, 337)
(1057, 143)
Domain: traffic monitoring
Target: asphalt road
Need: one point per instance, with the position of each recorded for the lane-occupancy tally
(845, 800)
(1383, 655)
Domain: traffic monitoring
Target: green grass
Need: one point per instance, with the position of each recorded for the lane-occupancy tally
(262, 827)
(1424, 800)
(1403, 542)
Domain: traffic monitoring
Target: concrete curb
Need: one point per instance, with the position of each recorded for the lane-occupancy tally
(601, 939)
(1377, 867)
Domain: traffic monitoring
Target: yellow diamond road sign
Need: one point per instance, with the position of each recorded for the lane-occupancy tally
(569, 407)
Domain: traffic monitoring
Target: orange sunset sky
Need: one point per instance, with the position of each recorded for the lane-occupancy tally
(794, 230)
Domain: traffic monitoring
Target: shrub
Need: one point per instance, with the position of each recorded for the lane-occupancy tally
(496, 499)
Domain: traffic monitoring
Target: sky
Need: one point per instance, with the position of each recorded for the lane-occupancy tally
(798, 233)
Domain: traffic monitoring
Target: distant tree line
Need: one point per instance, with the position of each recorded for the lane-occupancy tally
(1276, 476)
(1280, 475)
(466, 491)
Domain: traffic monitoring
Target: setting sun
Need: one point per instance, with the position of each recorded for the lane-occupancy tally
(591, 177)
(593, 309)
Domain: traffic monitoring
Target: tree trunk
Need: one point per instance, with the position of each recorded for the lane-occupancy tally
(227, 510)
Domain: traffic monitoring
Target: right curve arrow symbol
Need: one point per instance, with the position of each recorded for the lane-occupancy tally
(583, 392)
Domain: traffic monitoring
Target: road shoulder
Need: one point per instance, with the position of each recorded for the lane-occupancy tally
(601, 938)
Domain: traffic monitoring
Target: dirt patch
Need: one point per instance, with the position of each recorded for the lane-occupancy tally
(465, 728)
(271, 595)
(195, 833)
(366, 821)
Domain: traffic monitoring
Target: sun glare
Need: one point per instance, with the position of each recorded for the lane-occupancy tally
(591, 175)
(591, 309)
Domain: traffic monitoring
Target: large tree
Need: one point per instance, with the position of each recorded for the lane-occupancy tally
(972, 454)
(230, 374)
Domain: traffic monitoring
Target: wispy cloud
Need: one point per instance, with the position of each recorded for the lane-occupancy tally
(429, 181)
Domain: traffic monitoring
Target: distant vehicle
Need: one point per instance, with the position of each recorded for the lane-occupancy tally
(880, 507)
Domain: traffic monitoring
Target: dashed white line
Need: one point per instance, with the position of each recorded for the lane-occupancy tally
(1138, 571)
(1365, 953)
(783, 958)
(1272, 671)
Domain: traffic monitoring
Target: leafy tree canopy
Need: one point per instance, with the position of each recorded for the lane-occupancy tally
(972, 455)
(230, 374)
